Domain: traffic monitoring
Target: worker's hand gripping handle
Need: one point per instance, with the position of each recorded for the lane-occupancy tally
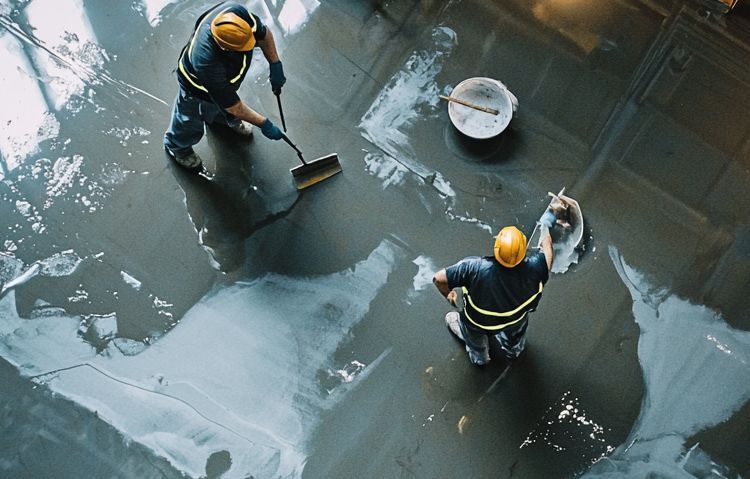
(452, 298)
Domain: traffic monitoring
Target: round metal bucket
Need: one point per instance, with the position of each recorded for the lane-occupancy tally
(485, 92)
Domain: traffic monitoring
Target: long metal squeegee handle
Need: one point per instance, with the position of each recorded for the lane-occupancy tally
(281, 111)
(299, 153)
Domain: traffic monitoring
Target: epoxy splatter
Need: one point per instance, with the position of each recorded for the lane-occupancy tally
(61, 177)
(468, 219)
(566, 427)
(125, 134)
(348, 372)
(80, 295)
(687, 348)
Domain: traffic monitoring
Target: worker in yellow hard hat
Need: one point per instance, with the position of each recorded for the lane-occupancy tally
(498, 292)
(210, 69)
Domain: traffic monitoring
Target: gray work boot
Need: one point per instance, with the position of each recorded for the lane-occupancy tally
(451, 320)
(243, 128)
(187, 159)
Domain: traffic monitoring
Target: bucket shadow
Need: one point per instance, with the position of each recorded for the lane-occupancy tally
(492, 150)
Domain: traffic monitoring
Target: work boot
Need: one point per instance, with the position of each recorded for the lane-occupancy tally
(243, 128)
(452, 320)
(188, 159)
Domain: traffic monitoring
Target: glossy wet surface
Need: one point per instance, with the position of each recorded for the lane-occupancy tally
(160, 323)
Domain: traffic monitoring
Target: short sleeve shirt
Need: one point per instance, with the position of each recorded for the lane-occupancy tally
(219, 72)
(496, 288)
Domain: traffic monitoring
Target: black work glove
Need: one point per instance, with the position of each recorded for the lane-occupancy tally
(270, 130)
(277, 77)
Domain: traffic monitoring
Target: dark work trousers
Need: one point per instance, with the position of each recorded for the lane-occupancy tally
(188, 117)
(477, 341)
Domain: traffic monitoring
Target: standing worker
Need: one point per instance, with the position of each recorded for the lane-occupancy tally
(498, 292)
(210, 70)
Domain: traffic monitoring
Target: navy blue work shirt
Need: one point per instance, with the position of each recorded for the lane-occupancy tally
(218, 73)
(496, 288)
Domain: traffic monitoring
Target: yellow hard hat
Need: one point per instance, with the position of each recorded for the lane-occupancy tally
(510, 246)
(232, 32)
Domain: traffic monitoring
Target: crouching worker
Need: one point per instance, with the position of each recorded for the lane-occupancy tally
(498, 293)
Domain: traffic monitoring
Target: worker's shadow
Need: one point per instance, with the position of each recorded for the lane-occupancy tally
(456, 378)
(223, 201)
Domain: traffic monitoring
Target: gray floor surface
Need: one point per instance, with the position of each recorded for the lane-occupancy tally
(161, 323)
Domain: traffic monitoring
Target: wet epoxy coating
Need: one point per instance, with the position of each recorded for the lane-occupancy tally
(159, 323)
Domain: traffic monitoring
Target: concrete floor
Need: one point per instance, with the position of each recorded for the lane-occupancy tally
(158, 323)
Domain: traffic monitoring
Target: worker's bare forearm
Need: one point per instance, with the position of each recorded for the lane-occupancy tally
(244, 112)
(546, 245)
(440, 280)
(268, 47)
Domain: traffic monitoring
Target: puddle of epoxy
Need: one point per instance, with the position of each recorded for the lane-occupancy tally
(696, 375)
(238, 374)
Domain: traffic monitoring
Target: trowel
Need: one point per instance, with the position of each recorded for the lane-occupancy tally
(568, 230)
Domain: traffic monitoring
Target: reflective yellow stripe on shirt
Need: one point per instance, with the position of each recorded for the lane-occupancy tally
(495, 314)
(242, 70)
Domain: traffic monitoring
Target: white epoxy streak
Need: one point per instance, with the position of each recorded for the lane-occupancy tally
(153, 9)
(401, 103)
(385, 168)
(25, 117)
(68, 33)
(22, 278)
(66, 53)
(696, 374)
(239, 373)
(131, 280)
(468, 219)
